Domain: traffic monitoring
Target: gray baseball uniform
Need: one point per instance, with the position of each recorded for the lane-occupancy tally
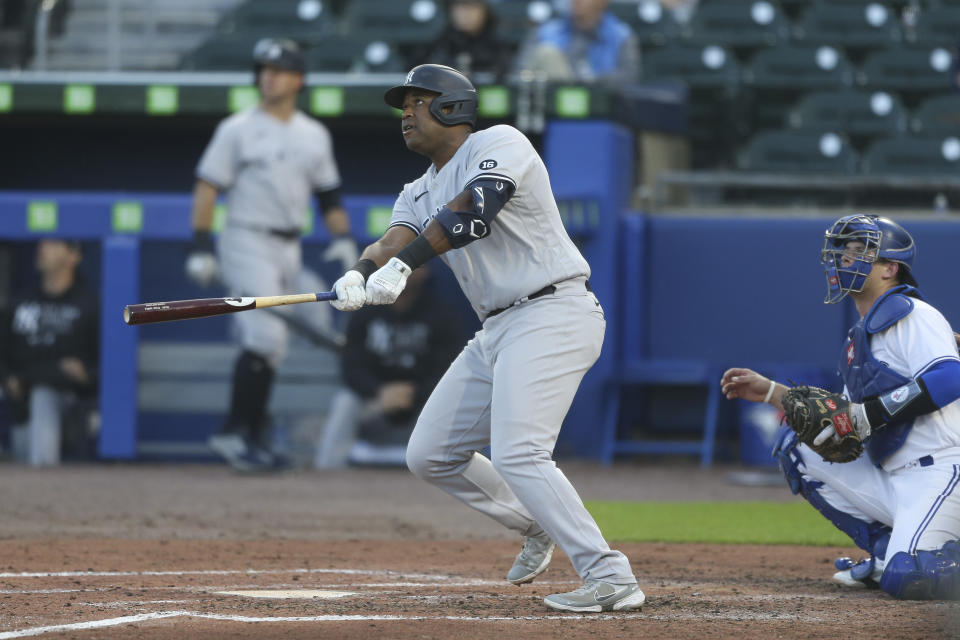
(514, 381)
(268, 168)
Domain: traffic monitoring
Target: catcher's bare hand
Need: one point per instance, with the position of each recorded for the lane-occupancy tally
(745, 384)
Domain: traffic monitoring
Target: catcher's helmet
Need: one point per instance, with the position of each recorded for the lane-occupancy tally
(454, 90)
(847, 269)
(283, 54)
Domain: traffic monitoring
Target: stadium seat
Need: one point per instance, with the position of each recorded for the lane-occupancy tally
(707, 66)
(347, 53)
(297, 19)
(776, 78)
(517, 18)
(802, 67)
(653, 24)
(937, 115)
(861, 25)
(712, 75)
(928, 157)
(412, 22)
(853, 112)
(922, 69)
(938, 26)
(738, 24)
(800, 152)
(222, 53)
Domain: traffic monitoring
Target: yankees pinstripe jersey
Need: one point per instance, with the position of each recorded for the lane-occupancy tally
(269, 168)
(528, 247)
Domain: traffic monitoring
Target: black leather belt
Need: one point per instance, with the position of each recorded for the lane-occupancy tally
(286, 234)
(547, 290)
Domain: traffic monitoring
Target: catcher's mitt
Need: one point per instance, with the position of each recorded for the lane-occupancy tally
(810, 410)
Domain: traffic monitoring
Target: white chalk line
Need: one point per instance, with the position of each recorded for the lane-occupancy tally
(143, 617)
(111, 622)
(217, 572)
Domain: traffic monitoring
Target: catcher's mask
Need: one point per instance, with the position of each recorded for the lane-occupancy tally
(847, 266)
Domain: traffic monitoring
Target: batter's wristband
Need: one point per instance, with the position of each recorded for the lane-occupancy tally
(366, 266)
(417, 252)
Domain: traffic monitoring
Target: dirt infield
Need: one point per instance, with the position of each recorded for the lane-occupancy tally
(147, 552)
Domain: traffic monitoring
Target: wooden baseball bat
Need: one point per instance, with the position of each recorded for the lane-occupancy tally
(150, 312)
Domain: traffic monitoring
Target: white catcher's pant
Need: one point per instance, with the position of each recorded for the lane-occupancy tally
(921, 504)
(510, 388)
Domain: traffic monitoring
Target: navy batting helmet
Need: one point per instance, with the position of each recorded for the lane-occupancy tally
(454, 89)
(282, 54)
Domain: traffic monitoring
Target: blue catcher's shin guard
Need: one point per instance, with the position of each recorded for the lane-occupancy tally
(926, 575)
(872, 537)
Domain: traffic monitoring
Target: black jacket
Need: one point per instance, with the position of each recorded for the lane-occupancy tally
(39, 330)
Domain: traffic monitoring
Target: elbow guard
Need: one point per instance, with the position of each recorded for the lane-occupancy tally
(488, 196)
(934, 389)
(462, 227)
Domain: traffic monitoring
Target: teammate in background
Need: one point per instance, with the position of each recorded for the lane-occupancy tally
(393, 357)
(899, 500)
(268, 159)
(485, 205)
(49, 354)
(588, 45)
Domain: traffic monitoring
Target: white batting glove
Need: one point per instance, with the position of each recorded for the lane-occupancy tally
(350, 291)
(343, 249)
(201, 268)
(387, 282)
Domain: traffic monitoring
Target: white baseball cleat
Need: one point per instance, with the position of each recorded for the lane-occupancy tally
(864, 574)
(596, 596)
(532, 559)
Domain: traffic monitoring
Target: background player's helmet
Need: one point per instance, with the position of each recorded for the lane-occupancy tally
(454, 90)
(847, 270)
(283, 54)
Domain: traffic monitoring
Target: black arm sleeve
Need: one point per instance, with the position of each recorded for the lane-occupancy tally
(329, 199)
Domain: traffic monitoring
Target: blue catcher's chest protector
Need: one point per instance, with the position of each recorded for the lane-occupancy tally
(604, 51)
(866, 377)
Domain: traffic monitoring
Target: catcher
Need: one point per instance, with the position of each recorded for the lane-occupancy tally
(881, 461)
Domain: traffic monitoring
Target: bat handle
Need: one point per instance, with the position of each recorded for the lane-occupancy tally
(326, 295)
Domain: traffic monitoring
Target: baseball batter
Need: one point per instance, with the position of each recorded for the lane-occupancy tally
(486, 207)
(899, 500)
(268, 160)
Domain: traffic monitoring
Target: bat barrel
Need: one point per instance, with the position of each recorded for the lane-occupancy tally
(151, 312)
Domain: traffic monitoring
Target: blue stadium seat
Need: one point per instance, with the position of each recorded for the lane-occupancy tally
(934, 156)
(853, 112)
(937, 115)
(801, 152)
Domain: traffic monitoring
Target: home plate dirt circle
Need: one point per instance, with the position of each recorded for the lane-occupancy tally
(289, 594)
